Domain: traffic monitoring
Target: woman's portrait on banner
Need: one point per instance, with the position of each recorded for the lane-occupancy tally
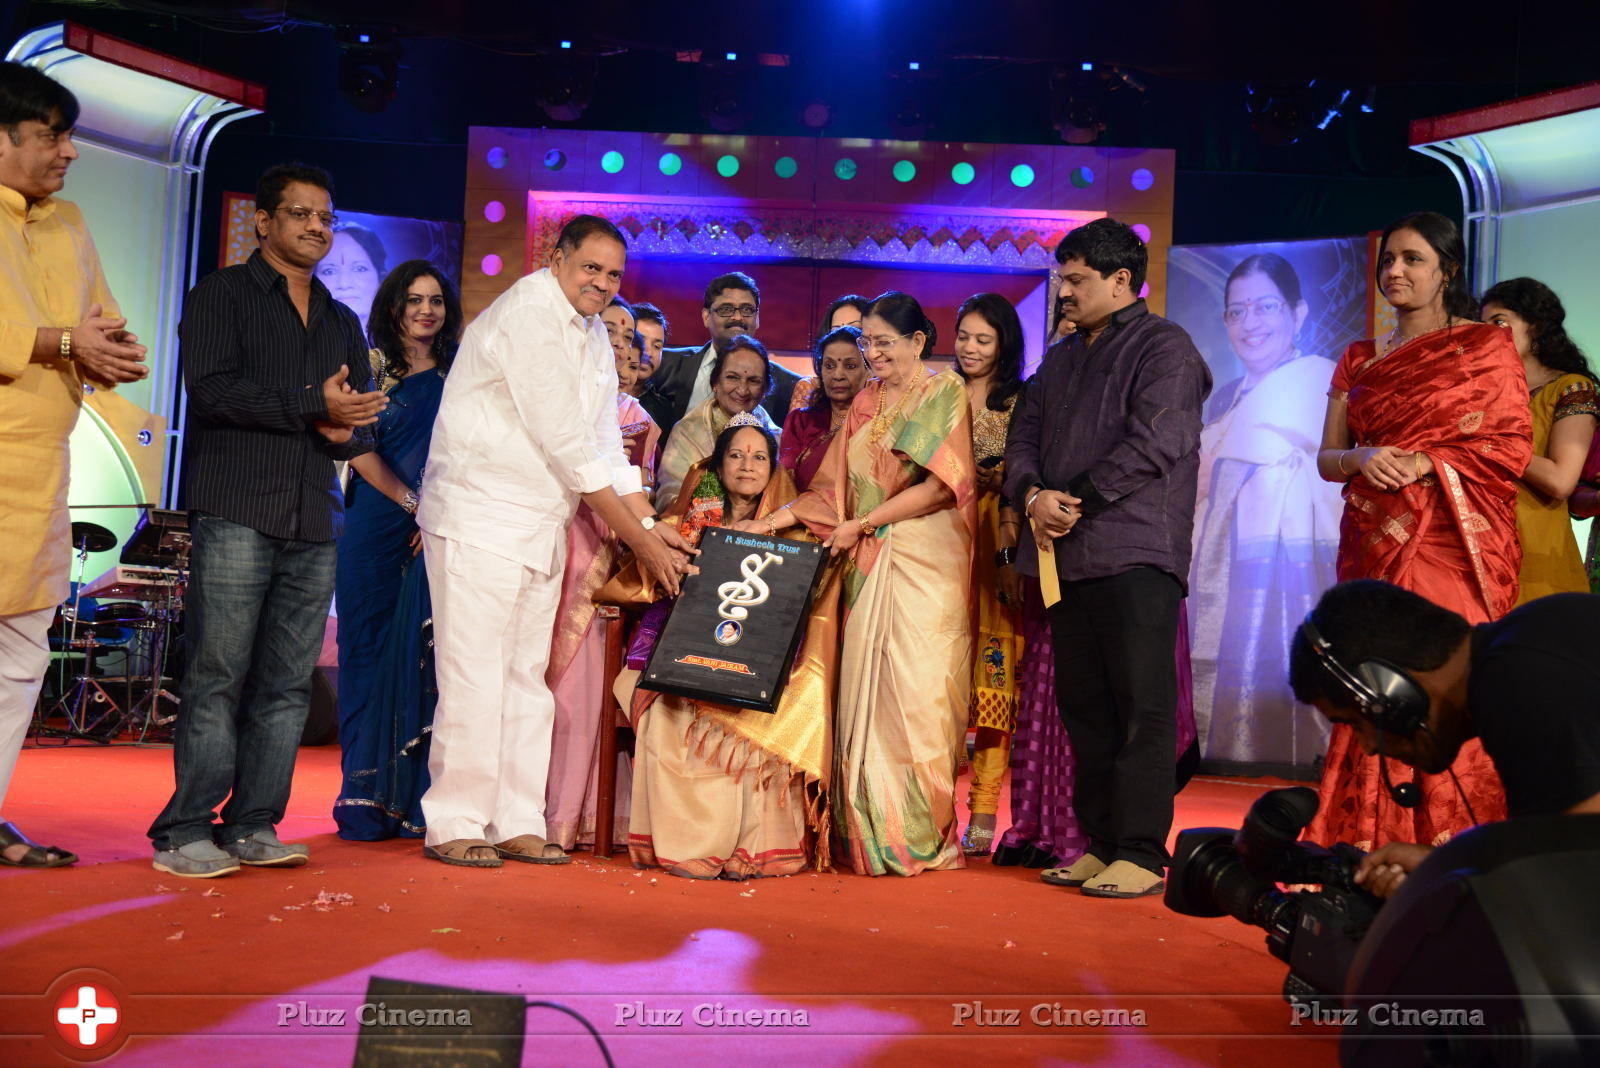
(1266, 527)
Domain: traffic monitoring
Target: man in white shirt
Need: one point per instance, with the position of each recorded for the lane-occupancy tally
(527, 428)
(682, 382)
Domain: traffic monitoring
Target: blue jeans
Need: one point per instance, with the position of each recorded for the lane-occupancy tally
(256, 610)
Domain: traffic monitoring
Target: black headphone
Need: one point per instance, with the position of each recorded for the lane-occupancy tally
(1385, 695)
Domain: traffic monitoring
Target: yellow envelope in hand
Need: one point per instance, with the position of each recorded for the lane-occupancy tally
(1049, 581)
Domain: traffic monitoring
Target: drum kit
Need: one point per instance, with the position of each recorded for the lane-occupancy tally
(148, 588)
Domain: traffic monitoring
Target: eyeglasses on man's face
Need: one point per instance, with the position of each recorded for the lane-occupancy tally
(302, 215)
(1235, 313)
(729, 311)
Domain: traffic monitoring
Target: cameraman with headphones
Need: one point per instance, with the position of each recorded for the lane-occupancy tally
(1416, 681)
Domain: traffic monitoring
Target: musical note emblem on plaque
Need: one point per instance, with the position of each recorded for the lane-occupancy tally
(734, 631)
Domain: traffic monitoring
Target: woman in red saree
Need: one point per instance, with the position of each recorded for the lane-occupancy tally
(1429, 430)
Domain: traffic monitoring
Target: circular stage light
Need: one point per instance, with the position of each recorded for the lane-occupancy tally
(670, 163)
(845, 169)
(727, 166)
(494, 211)
(612, 162)
(555, 159)
(1022, 176)
(1143, 231)
(904, 170)
(1082, 177)
(1142, 179)
(491, 265)
(496, 157)
(786, 167)
(963, 173)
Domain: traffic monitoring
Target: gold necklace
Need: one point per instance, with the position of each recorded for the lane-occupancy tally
(1396, 339)
(880, 422)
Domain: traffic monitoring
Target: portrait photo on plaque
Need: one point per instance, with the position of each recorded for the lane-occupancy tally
(734, 630)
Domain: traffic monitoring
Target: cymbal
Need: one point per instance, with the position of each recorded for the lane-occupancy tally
(97, 537)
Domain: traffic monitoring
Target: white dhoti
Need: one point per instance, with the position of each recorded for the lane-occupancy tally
(492, 624)
(24, 656)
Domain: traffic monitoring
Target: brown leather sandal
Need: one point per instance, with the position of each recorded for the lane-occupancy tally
(455, 852)
(530, 849)
(36, 855)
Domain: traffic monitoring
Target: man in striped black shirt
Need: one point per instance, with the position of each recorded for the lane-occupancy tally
(279, 388)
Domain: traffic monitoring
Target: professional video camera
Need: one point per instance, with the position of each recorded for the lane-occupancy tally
(1217, 872)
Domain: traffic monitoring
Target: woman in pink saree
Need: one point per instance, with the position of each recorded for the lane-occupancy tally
(576, 674)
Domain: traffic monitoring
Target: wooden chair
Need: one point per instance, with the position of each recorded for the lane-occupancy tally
(605, 805)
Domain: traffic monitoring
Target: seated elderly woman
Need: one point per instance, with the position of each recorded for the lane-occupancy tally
(720, 791)
(741, 377)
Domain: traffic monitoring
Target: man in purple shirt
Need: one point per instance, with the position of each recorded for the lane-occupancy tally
(1104, 452)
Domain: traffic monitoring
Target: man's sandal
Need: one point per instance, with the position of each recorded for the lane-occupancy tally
(1124, 879)
(37, 856)
(530, 849)
(1075, 874)
(455, 852)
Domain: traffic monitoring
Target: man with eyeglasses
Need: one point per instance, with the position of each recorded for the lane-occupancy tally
(279, 388)
(683, 381)
(59, 331)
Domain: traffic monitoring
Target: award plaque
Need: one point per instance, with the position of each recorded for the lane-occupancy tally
(734, 630)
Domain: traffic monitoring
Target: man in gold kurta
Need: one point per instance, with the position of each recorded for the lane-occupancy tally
(58, 331)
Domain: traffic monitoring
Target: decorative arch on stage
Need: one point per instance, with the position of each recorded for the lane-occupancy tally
(810, 218)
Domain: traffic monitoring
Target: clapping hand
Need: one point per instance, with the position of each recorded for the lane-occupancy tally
(348, 408)
(105, 351)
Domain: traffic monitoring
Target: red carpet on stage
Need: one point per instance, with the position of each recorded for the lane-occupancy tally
(986, 964)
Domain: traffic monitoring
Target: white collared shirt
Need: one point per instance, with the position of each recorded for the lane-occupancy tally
(528, 424)
(702, 378)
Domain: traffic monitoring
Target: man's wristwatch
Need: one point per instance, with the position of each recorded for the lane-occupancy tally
(66, 342)
(409, 502)
(648, 522)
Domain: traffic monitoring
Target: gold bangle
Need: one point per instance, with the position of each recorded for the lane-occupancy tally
(66, 342)
(867, 529)
(1343, 453)
(1416, 463)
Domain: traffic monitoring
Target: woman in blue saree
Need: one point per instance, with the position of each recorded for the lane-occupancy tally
(386, 681)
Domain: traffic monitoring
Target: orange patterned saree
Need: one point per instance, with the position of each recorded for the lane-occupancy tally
(1459, 396)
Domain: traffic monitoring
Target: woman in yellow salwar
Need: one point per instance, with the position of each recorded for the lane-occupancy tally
(896, 493)
(720, 791)
(989, 358)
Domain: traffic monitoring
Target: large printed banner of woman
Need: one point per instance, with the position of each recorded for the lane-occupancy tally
(1267, 318)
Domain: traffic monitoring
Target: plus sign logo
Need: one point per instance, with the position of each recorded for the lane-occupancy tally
(88, 1016)
(85, 1014)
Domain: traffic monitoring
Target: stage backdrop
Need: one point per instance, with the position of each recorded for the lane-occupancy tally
(810, 218)
(365, 248)
(1266, 525)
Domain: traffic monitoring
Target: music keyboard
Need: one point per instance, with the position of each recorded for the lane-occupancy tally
(135, 583)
